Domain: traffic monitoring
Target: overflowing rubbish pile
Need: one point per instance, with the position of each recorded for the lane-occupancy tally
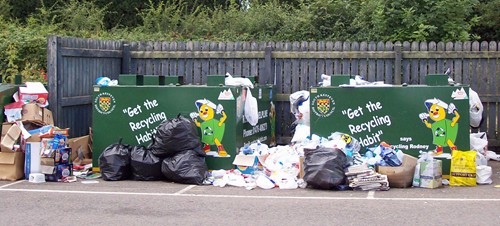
(336, 162)
(32, 147)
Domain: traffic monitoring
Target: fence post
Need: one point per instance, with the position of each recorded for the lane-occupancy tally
(267, 66)
(54, 59)
(126, 59)
(397, 64)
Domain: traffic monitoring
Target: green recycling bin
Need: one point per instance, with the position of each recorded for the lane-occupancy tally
(132, 113)
(411, 118)
(6, 93)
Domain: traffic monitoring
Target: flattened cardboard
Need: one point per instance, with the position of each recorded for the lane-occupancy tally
(400, 176)
(10, 139)
(80, 146)
(5, 127)
(301, 167)
(47, 169)
(44, 161)
(11, 165)
(247, 164)
(47, 117)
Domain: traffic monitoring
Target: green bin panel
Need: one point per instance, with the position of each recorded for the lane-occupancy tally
(392, 114)
(436, 80)
(151, 80)
(338, 80)
(133, 113)
(215, 80)
(130, 79)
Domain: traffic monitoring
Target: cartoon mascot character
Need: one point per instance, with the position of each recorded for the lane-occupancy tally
(212, 130)
(444, 131)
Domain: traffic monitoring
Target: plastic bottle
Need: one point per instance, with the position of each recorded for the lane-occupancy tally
(301, 183)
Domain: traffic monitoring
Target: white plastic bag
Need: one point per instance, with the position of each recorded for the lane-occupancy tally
(301, 133)
(231, 81)
(481, 159)
(475, 108)
(416, 176)
(491, 155)
(299, 107)
(327, 80)
(479, 142)
(251, 109)
(483, 174)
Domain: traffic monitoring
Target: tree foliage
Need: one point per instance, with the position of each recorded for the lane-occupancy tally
(26, 23)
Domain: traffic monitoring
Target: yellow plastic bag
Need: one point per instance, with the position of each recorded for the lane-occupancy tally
(463, 168)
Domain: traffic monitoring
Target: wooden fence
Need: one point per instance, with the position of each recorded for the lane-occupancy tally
(74, 64)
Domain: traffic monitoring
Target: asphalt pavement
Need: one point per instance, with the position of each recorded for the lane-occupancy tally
(165, 203)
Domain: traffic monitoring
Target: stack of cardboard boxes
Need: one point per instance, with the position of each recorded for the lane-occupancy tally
(32, 144)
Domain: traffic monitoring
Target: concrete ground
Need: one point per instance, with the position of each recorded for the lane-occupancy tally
(165, 203)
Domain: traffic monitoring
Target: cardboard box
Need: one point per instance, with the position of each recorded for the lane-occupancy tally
(301, 167)
(32, 112)
(58, 172)
(7, 144)
(431, 174)
(11, 165)
(34, 92)
(5, 127)
(45, 161)
(46, 149)
(247, 164)
(47, 117)
(400, 176)
(32, 159)
(62, 156)
(80, 148)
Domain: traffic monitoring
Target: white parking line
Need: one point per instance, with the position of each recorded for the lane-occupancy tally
(7, 185)
(185, 189)
(371, 194)
(247, 196)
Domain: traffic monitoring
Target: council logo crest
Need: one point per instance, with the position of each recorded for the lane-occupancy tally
(323, 105)
(104, 103)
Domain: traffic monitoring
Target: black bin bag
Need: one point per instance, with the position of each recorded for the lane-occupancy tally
(174, 136)
(114, 162)
(145, 166)
(187, 167)
(324, 168)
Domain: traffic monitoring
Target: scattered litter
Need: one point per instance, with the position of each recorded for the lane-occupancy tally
(69, 179)
(90, 182)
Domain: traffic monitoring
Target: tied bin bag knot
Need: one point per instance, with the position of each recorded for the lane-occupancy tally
(174, 136)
